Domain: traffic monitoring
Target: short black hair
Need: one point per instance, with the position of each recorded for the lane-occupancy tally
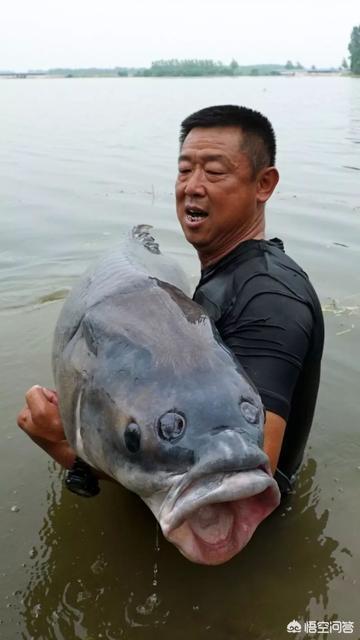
(259, 141)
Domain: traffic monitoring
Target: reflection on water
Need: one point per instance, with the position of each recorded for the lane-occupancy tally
(102, 570)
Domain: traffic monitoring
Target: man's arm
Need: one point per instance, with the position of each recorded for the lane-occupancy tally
(270, 333)
(274, 430)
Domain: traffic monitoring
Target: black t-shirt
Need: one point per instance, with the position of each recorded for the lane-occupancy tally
(268, 314)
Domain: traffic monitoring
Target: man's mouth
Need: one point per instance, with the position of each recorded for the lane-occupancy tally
(195, 214)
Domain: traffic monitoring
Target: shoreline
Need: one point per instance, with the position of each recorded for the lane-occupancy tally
(51, 76)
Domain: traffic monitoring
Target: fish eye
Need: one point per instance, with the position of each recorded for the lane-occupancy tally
(171, 425)
(132, 437)
(250, 411)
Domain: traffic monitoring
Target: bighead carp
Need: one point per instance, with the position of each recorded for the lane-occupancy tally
(150, 395)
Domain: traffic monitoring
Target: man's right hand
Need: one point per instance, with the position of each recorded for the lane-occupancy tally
(40, 419)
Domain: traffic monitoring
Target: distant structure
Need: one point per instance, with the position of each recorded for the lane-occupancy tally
(323, 70)
(22, 74)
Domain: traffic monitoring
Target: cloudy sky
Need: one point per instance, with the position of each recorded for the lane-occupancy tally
(42, 34)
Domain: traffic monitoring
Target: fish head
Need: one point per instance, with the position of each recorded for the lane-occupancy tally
(184, 433)
(211, 509)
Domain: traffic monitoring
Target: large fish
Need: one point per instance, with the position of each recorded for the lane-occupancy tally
(150, 395)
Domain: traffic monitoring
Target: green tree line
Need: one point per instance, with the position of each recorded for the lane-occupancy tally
(177, 68)
(191, 67)
(198, 67)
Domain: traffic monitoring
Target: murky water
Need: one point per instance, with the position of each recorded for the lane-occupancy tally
(81, 161)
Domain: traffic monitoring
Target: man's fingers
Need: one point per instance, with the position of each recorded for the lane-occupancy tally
(50, 395)
(44, 414)
(40, 407)
(36, 401)
(24, 419)
(25, 422)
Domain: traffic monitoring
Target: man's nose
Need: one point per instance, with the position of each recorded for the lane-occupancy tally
(195, 183)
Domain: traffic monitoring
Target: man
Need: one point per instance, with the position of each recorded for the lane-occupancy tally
(261, 302)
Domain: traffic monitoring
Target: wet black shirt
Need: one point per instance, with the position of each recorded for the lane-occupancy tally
(268, 314)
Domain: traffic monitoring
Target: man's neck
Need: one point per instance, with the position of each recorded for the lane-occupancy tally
(207, 260)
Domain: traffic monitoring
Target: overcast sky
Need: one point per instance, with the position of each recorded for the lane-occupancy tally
(42, 34)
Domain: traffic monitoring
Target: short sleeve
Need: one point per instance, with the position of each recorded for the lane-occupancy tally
(269, 331)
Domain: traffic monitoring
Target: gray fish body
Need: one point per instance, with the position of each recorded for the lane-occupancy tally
(150, 395)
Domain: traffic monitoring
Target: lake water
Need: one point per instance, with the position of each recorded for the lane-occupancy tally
(80, 162)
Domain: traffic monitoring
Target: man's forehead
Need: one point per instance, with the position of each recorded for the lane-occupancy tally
(217, 133)
(205, 154)
(216, 141)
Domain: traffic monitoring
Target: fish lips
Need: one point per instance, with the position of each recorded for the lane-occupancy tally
(220, 487)
(214, 517)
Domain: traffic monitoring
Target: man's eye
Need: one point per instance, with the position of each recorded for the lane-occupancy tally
(214, 173)
(184, 170)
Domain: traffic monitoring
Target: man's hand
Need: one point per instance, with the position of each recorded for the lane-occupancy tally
(40, 419)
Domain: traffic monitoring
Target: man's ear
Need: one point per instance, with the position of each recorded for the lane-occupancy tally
(266, 183)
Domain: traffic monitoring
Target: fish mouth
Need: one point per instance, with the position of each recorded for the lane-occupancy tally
(214, 517)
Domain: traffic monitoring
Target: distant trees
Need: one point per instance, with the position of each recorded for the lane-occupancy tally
(292, 67)
(195, 68)
(192, 67)
(354, 48)
(234, 66)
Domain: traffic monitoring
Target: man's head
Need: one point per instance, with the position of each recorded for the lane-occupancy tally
(226, 174)
(258, 137)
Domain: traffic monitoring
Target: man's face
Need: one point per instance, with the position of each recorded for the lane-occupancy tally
(216, 192)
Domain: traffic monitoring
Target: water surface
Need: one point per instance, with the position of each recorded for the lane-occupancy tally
(80, 162)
